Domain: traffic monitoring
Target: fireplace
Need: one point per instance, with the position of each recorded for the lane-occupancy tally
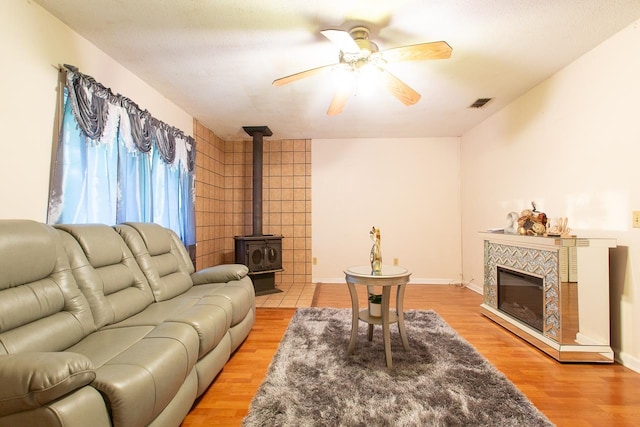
(520, 296)
(552, 292)
(261, 253)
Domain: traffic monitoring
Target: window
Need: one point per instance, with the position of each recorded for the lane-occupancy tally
(116, 163)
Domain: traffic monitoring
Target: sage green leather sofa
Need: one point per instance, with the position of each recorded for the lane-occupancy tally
(111, 326)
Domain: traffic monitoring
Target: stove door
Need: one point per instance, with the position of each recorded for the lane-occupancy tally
(255, 256)
(273, 255)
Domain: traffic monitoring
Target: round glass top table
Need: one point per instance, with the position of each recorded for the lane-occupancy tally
(388, 277)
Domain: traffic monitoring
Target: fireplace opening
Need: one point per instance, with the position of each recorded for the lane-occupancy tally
(520, 296)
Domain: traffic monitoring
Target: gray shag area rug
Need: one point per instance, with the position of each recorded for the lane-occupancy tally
(441, 381)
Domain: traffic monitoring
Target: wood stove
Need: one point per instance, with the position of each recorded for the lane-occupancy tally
(261, 253)
(263, 256)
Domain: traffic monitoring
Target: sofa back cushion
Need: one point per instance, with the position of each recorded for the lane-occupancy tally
(41, 307)
(106, 272)
(158, 252)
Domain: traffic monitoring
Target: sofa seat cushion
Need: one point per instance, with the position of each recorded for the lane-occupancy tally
(239, 293)
(210, 317)
(140, 369)
(156, 313)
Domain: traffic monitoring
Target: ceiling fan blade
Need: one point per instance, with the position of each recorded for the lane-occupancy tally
(417, 52)
(399, 89)
(342, 39)
(339, 100)
(302, 74)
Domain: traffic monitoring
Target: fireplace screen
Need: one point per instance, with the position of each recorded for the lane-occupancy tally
(520, 296)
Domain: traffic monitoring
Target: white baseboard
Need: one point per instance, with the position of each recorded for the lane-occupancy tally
(474, 287)
(628, 361)
(432, 281)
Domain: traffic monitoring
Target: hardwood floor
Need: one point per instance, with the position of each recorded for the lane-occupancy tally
(568, 394)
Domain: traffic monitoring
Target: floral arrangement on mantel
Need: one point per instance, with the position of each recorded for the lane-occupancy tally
(531, 222)
(560, 229)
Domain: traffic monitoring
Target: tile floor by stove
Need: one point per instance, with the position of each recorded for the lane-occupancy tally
(292, 295)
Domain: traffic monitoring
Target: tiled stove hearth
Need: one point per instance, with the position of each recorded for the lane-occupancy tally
(570, 275)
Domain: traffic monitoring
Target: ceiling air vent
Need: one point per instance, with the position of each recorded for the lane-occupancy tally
(480, 102)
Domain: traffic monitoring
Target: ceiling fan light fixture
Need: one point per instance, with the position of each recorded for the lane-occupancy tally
(367, 79)
(359, 33)
(367, 47)
(343, 77)
(362, 66)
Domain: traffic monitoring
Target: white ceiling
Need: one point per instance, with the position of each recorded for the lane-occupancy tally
(216, 59)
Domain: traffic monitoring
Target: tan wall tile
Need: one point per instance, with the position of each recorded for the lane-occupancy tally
(223, 199)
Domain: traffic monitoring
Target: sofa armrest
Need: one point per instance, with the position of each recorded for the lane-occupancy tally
(31, 380)
(219, 274)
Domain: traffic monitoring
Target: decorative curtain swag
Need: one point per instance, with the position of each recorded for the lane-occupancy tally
(116, 162)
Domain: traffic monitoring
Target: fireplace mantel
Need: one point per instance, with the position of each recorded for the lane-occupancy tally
(575, 272)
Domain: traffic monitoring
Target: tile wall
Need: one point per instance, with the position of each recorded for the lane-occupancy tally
(223, 199)
(210, 199)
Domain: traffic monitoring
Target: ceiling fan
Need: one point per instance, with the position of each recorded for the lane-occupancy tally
(358, 55)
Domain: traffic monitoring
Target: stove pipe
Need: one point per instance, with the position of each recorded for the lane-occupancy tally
(257, 132)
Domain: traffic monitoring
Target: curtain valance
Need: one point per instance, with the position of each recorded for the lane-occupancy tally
(90, 101)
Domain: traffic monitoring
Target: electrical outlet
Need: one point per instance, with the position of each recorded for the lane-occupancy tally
(395, 261)
(314, 261)
(636, 219)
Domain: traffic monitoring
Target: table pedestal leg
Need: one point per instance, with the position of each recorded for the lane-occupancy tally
(400, 313)
(386, 335)
(355, 310)
(370, 290)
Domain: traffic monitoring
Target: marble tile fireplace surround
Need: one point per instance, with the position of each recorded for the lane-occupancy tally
(570, 275)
